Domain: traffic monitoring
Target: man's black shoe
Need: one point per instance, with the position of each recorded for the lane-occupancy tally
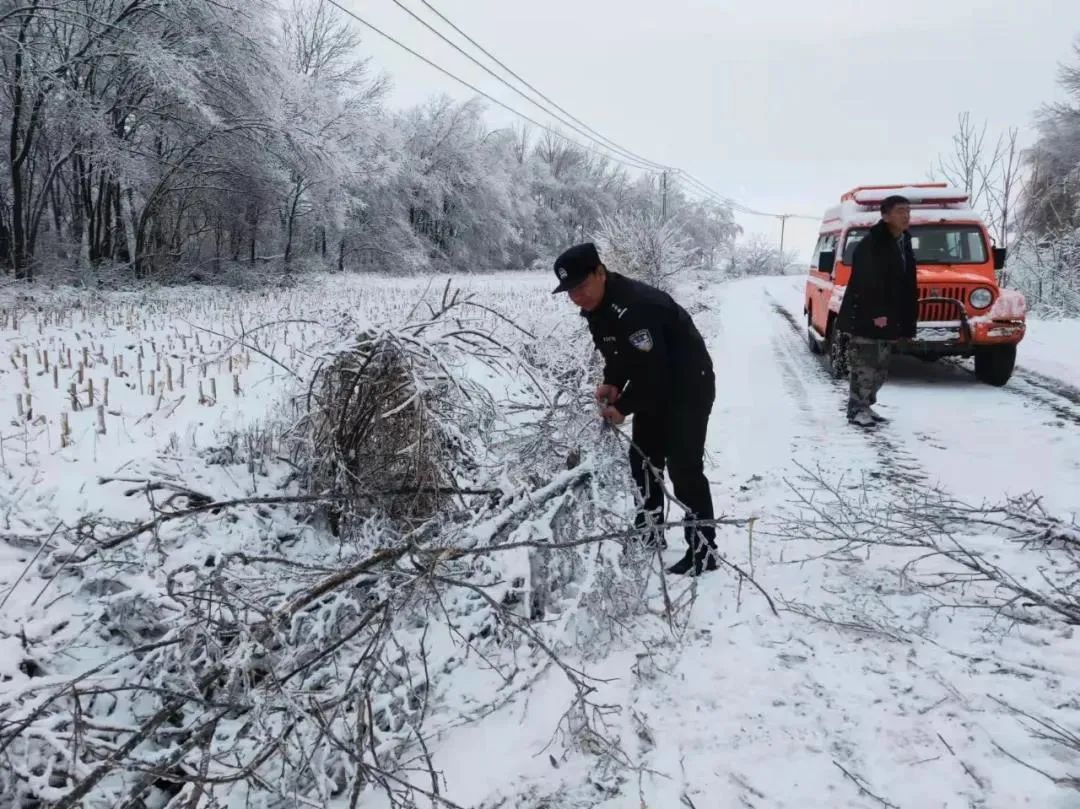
(684, 565)
(697, 563)
(863, 419)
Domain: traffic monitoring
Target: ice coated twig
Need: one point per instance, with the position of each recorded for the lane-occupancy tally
(863, 789)
(928, 521)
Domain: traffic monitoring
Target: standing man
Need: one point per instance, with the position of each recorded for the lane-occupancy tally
(657, 368)
(880, 306)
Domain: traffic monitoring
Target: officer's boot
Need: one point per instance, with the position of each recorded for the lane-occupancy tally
(700, 557)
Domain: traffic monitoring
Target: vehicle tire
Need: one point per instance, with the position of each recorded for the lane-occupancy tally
(811, 338)
(836, 353)
(995, 365)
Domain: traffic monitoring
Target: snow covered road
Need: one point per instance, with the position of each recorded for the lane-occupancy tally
(775, 708)
(900, 700)
(980, 443)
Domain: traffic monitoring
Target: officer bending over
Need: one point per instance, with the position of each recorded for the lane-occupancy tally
(656, 368)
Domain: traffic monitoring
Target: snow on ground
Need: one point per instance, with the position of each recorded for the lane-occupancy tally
(982, 442)
(1048, 350)
(740, 708)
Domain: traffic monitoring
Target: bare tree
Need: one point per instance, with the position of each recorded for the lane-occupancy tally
(988, 174)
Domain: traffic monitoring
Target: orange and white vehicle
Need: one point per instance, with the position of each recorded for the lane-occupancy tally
(962, 309)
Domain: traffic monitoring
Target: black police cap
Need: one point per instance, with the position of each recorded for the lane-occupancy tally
(574, 266)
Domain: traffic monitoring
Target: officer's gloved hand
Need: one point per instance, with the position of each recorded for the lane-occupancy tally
(612, 415)
(607, 394)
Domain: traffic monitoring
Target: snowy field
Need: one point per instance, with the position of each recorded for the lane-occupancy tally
(895, 671)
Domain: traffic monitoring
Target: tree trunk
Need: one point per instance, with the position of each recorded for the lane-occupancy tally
(121, 250)
(290, 226)
(341, 255)
(78, 209)
(18, 149)
(254, 233)
(57, 204)
(217, 247)
(5, 245)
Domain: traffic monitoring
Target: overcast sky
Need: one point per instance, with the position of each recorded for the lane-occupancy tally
(780, 104)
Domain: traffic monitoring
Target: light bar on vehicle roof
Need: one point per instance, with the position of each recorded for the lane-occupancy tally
(917, 195)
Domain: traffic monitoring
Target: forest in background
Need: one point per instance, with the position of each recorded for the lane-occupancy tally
(176, 140)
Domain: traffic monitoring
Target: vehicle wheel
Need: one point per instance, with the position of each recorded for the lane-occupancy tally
(995, 365)
(836, 353)
(811, 337)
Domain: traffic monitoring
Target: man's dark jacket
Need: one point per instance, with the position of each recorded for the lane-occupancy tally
(652, 351)
(883, 284)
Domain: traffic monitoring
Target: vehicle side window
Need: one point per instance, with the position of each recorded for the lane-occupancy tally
(826, 243)
(851, 241)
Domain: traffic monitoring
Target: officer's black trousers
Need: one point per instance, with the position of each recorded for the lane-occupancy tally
(675, 440)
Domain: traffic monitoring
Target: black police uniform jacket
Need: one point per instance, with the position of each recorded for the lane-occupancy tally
(652, 351)
(883, 284)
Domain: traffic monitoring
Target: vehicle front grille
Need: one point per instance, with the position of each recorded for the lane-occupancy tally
(937, 310)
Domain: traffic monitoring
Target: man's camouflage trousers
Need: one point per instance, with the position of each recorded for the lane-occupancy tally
(868, 361)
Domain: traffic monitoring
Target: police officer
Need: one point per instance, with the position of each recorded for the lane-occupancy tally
(656, 367)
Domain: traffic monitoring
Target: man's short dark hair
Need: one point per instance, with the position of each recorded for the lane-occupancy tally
(889, 203)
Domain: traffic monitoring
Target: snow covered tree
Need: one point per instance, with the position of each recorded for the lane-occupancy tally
(1045, 261)
(645, 247)
(328, 110)
(1053, 195)
(171, 138)
(711, 229)
(759, 256)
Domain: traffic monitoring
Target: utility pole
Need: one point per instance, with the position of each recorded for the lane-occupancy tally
(783, 224)
(663, 198)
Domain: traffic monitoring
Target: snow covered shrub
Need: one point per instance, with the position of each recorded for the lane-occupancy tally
(758, 256)
(388, 423)
(1047, 272)
(645, 247)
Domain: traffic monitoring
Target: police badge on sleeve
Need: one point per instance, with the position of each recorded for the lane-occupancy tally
(641, 340)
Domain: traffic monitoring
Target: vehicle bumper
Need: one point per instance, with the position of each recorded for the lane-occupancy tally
(962, 338)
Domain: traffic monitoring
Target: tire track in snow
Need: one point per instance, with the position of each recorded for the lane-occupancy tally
(740, 689)
(1053, 394)
(899, 465)
(1048, 393)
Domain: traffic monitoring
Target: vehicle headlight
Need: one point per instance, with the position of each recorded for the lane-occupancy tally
(981, 298)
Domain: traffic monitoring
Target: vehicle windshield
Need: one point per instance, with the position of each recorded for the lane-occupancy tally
(934, 244)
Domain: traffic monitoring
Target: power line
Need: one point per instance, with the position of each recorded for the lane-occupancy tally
(548, 99)
(703, 188)
(501, 80)
(700, 187)
(480, 92)
(631, 159)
